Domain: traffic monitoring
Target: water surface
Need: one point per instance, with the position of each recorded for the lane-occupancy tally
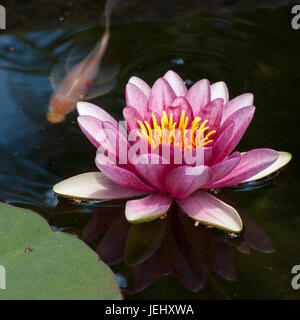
(252, 50)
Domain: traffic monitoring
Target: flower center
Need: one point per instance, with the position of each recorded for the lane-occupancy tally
(181, 134)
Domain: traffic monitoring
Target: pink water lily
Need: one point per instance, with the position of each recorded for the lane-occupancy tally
(199, 124)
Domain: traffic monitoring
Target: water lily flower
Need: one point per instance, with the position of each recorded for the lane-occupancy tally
(199, 123)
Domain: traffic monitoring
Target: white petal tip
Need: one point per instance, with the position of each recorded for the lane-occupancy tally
(283, 159)
(134, 219)
(170, 72)
(212, 212)
(235, 224)
(219, 90)
(147, 209)
(77, 187)
(81, 107)
(237, 227)
(93, 186)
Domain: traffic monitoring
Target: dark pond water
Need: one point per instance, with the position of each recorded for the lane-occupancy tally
(252, 50)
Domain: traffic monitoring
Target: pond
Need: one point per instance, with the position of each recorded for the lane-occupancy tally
(251, 48)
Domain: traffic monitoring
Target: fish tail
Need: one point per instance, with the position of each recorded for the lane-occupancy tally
(109, 6)
(102, 44)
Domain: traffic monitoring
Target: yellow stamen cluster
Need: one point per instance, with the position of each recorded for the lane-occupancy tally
(182, 135)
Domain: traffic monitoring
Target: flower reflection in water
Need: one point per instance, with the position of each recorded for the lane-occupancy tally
(170, 245)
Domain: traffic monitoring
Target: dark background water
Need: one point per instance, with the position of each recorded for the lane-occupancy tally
(248, 44)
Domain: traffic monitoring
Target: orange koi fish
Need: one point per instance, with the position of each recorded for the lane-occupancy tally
(80, 83)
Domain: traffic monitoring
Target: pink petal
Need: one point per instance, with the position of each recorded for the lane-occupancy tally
(184, 180)
(148, 208)
(119, 144)
(136, 99)
(223, 168)
(93, 186)
(153, 169)
(283, 159)
(170, 153)
(90, 109)
(162, 96)
(119, 175)
(244, 100)
(176, 83)
(141, 84)
(197, 156)
(93, 128)
(252, 162)
(148, 117)
(131, 115)
(178, 105)
(219, 90)
(241, 119)
(105, 136)
(208, 152)
(194, 157)
(211, 211)
(199, 95)
(223, 135)
(213, 113)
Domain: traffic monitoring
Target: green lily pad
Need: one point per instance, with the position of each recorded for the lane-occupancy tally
(42, 264)
(143, 241)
